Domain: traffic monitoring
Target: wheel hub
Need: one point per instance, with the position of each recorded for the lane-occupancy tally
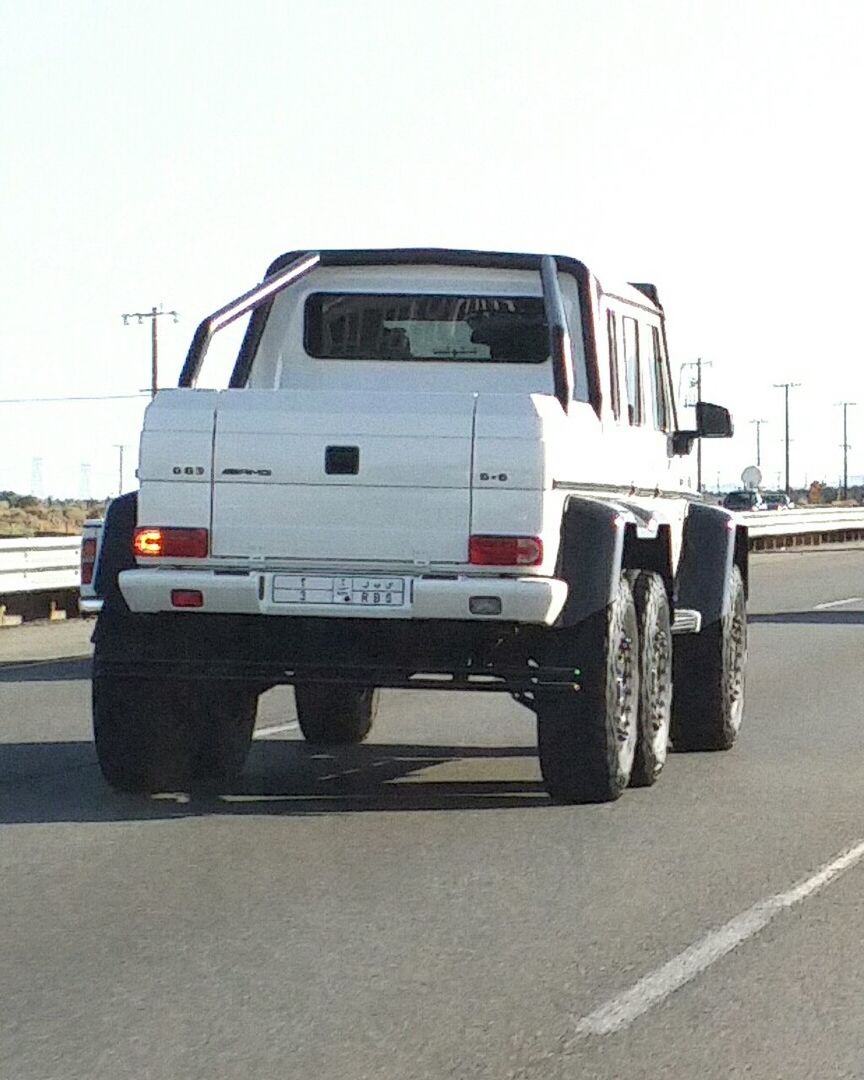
(625, 725)
(735, 648)
(659, 693)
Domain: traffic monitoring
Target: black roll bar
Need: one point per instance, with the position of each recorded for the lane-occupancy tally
(236, 309)
(560, 346)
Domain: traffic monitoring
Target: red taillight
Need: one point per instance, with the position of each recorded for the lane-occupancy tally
(153, 542)
(88, 560)
(187, 598)
(505, 551)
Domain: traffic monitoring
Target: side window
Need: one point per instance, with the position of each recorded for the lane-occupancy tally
(581, 387)
(631, 366)
(665, 377)
(586, 381)
(614, 392)
(652, 359)
(662, 410)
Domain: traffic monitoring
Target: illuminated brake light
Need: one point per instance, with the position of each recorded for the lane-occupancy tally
(187, 598)
(505, 551)
(152, 542)
(88, 560)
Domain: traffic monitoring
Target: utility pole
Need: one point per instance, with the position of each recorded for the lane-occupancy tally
(786, 387)
(698, 363)
(758, 424)
(154, 314)
(844, 405)
(36, 477)
(120, 448)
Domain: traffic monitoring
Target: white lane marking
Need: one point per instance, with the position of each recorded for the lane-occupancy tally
(837, 603)
(621, 1011)
(259, 733)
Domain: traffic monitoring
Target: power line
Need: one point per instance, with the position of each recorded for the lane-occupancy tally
(844, 405)
(758, 424)
(154, 314)
(93, 397)
(786, 387)
(120, 447)
(36, 476)
(699, 363)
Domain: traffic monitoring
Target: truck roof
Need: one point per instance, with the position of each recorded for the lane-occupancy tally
(643, 295)
(259, 300)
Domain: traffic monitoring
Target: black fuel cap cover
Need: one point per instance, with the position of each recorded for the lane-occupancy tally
(342, 460)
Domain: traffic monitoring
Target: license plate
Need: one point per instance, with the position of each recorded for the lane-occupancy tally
(385, 592)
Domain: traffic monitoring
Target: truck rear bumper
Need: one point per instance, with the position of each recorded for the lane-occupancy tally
(526, 600)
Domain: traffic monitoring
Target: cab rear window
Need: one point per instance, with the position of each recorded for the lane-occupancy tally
(424, 326)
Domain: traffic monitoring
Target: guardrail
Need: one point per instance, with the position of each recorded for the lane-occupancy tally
(39, 577)
(49, 566)
(803, 528)
(39, 562)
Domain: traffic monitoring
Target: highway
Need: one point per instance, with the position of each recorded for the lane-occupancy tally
(415, 908)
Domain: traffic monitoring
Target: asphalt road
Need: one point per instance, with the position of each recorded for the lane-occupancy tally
(415, 908)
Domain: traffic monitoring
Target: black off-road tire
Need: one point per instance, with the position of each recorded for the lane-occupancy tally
(708, 697)
(152, 734)
(331, 715)
(143, 743)
(655, 677)
(156, 736)
(225, 720)
(586, 733)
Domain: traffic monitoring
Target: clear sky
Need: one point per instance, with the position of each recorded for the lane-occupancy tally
(163, 153)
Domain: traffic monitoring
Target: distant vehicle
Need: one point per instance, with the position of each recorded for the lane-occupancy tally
(744, 501)
(91, 534)
(777, 500)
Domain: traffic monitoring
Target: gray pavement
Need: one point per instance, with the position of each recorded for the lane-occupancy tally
(415, 908)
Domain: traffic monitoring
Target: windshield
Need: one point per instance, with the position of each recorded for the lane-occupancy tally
(740, 501)
(366, 326)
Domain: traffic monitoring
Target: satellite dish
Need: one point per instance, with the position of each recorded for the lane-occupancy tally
(751, 477)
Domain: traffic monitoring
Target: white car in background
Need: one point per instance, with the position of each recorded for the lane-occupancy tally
(91, 535)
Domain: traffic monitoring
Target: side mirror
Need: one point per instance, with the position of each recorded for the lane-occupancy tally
(682, 442)
(712, 422)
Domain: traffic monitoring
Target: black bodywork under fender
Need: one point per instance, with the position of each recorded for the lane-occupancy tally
(590, 557)
(711, 544)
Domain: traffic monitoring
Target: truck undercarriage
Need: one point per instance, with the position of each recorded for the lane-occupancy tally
(267, 651)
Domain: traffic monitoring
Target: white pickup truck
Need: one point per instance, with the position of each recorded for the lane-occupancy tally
(432, 469)
(89, 603)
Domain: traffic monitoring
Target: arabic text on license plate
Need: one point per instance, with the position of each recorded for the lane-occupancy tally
(339, 591)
